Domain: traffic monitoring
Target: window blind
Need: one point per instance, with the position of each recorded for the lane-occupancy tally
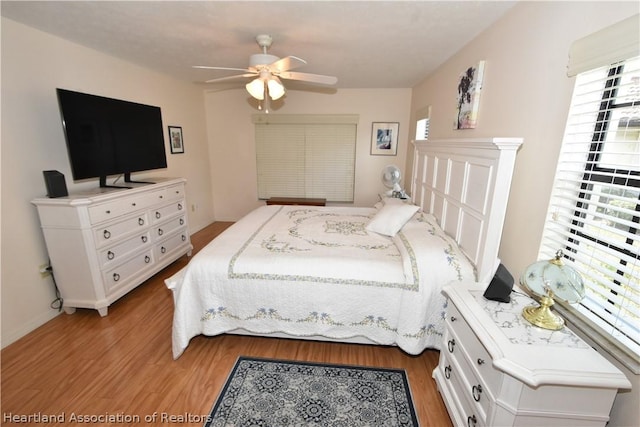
(422, 123)
(594, 211)
(300, 157)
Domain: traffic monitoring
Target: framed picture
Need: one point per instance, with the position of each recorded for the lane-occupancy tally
(468, 100)
(384, 138)
(175, 139)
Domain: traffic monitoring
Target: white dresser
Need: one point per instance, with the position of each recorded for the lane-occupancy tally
(496, 369)
(102, 245)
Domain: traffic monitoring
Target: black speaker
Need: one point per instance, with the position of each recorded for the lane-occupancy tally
(501, 285)
(55, 183)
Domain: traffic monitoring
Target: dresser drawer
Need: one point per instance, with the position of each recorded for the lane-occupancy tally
(114, 254)
(477, 355)
(114, 231)
(175, 192)
(109, 210)
(167, 211)
(122, 274)
(166, 228)
(167, 246)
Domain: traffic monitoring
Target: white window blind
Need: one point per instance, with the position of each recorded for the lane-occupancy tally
(594, 212)
(306, 156)
(422, 123)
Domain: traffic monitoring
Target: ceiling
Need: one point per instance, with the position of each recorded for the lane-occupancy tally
(366, 44)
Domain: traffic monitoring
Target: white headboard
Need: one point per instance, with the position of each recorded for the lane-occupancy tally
(465, 184)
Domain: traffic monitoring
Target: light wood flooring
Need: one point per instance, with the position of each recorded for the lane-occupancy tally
(121, 365)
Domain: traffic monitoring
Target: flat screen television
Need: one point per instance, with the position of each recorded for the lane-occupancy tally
(108, 136)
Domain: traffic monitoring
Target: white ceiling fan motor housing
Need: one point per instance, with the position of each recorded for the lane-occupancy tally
(262, 59)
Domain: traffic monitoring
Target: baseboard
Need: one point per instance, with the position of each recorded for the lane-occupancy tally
(25, 329)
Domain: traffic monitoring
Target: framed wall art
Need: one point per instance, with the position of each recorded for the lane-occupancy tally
(384, 138)
(468, 101)
(175, 139)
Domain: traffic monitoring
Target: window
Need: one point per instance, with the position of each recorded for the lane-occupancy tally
(306, 156)
(422, 124)
(594, 212)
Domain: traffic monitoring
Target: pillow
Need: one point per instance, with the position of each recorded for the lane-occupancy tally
(391, 218)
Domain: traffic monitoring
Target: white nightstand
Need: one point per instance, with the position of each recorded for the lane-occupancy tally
(496, 369)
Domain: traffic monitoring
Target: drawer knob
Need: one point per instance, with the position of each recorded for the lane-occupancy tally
(179, 206)
(480, 361)
(184, 237)
(110, 255)
(163, 250)
(181, 221)
(158, 215)
(454, 318)
(144, 239)
(106, 234)
(107, 211)
(471, 421)
(451, 345)
(116, 277)
(476, 391)
(133, 204)
(160, 232)
(147, 259)
(447, 371)
(140, 221)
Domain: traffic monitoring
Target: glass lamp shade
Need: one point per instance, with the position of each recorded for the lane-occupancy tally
(256, 88)
(276, 89)
(547, 280)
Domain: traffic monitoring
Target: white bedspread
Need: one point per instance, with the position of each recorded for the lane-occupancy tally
(316, 271)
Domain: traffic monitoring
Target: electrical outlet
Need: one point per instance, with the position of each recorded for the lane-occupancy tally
(45, 270)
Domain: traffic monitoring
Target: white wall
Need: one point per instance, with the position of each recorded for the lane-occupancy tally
(34, 64)
(232, 148)
(526, 94)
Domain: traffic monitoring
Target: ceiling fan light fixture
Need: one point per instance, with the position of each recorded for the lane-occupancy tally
(256, 88)
(276, 88)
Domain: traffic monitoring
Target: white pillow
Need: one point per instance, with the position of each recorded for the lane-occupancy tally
(391, 218)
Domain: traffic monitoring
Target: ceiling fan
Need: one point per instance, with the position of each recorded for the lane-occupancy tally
(268, 70)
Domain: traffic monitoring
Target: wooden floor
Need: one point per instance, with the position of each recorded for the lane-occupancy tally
(120, 366)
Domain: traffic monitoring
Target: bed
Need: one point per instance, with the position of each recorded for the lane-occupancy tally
(355, 274)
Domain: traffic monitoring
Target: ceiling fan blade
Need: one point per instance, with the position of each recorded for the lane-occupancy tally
(287, 63)
(311, 78)
(206, 67)
(237, 76)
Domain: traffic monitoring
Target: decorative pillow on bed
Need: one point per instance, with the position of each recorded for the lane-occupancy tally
(391, 218)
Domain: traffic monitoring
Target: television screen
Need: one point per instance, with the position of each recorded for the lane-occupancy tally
(108, 136)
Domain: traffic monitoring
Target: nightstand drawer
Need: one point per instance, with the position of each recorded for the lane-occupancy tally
(477, 355)
(454, 379)
(471, 386)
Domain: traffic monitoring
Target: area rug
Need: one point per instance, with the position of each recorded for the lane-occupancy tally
(278, 393)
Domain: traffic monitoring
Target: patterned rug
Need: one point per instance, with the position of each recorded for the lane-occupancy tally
(276, 393)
